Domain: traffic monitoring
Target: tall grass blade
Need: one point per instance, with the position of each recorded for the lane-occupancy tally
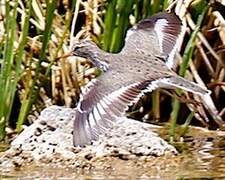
(123, 9)
(7, 75)
(186, 57)
(34, 89)
(110, 20)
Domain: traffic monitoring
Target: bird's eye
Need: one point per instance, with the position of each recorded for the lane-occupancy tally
(75, 48)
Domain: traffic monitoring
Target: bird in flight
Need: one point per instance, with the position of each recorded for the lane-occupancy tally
(143, 65)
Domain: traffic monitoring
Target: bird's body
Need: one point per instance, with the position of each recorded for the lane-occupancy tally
(142, 65)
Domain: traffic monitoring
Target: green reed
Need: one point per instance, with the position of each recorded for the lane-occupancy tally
(10, 70)
(188, 53)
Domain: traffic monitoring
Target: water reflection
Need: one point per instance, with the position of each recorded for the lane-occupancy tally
(206, 161)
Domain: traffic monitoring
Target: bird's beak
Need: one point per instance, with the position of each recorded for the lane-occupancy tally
(66, 55)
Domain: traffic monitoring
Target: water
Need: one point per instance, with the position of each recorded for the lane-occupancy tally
(202, 157)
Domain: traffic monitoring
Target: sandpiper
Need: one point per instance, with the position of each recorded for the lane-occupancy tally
(144, 64)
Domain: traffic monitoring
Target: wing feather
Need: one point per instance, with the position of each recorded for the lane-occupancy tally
(163, 30)
(96, 114)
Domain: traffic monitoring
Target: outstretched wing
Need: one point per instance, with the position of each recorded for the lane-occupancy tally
(103, 100)
(157, 35)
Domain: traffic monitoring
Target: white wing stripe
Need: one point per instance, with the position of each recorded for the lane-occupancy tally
(159, 27)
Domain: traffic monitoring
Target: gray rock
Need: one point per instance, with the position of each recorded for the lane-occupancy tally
(49, 139)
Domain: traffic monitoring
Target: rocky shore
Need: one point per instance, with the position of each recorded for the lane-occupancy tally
(49, 141)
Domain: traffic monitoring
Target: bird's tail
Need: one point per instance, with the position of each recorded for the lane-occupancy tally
(179, 82)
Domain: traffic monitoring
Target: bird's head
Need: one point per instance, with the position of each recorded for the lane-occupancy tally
(89, 50)
(84, 48)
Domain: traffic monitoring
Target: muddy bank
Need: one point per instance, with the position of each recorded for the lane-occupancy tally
(131, 150)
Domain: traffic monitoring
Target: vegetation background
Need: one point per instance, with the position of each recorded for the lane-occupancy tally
(33, 33)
